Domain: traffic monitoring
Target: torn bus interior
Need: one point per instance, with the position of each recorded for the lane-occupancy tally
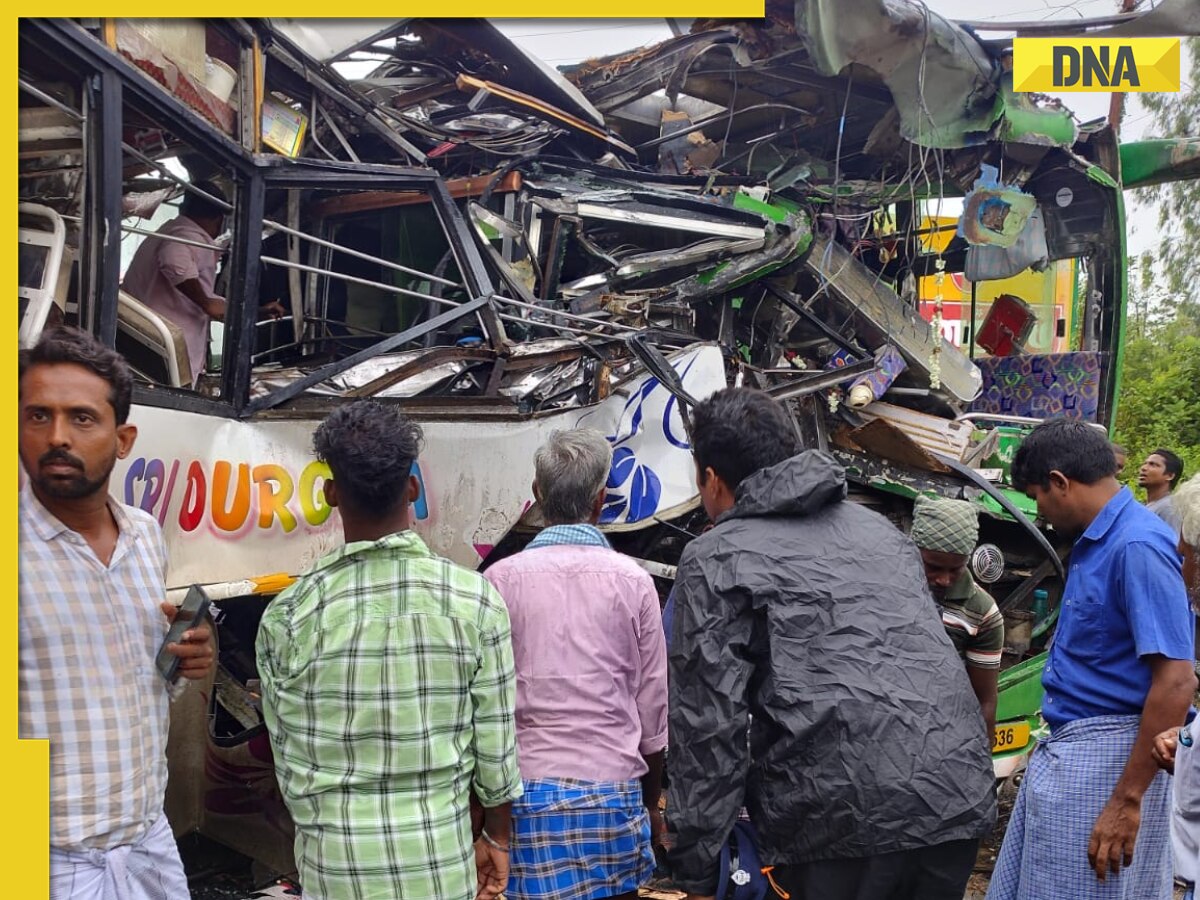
(820, 189)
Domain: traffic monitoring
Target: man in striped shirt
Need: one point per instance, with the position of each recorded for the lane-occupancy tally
(91, 575)
(388, 691)
(946, 531)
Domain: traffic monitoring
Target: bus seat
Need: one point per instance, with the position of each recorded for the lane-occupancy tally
(152, 344)
(1042, 385)
(40, 253)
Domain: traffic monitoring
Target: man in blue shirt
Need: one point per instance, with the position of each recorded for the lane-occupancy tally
(1091, 820)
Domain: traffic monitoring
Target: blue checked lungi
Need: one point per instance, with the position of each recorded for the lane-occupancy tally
(1070, 778)
(578, 840)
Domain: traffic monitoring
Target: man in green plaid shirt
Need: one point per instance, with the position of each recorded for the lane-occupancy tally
(388, 691)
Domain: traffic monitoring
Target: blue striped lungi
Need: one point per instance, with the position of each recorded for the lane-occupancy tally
(1070, 778)
(578, 840)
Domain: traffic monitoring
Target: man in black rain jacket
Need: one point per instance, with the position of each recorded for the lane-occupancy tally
(812, 682)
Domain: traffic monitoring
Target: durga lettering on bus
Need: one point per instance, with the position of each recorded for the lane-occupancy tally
(235, 499)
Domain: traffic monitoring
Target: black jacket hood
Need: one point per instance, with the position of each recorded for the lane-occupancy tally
(800, 486)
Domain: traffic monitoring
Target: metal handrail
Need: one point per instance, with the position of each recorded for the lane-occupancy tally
(1013, 420)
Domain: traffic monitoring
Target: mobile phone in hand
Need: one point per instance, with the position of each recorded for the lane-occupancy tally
(191, 613)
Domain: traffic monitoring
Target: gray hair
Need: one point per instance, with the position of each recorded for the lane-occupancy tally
(1186, 501)
(571, 468)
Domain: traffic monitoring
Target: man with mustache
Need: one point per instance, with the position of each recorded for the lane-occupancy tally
(92, 566)
(1091, 820)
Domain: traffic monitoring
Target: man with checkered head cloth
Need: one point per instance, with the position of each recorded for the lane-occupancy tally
(946, 532)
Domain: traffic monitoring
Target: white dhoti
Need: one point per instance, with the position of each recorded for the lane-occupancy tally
(149, 869)
(1185, 805)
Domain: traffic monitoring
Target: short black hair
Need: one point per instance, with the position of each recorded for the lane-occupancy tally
(738, 431)
(1172, 464)
(70, 345)
(195, 205)
(1118, 450)
(1078, 450)
(370, 448)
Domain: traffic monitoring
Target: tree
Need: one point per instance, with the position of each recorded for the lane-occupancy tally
(1160, 392)
(1177, 258)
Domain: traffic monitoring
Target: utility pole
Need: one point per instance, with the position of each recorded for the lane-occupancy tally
(1116, 107)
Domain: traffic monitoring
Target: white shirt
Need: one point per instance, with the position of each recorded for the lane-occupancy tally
(1164, 508)
(89, 634)
(1185, 806)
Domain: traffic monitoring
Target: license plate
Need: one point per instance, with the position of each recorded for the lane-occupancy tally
(1010, 737)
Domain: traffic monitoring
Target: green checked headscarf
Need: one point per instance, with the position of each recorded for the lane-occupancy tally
(947, 526)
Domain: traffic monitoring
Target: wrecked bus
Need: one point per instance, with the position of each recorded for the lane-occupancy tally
(919, 262)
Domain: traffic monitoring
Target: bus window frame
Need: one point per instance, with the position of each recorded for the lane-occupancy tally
(111, 81)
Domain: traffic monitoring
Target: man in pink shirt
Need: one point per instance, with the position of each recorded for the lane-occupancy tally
(176, 279)
(591, 691)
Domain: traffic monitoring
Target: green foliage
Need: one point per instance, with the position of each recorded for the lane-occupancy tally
(1160, 392)
(1177, 258)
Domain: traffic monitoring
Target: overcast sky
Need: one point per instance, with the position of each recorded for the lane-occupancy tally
(566, 41)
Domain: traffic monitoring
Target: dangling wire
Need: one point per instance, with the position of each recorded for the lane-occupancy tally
(837, 158)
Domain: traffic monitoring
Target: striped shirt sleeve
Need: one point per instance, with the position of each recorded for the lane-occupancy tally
(987, 646)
